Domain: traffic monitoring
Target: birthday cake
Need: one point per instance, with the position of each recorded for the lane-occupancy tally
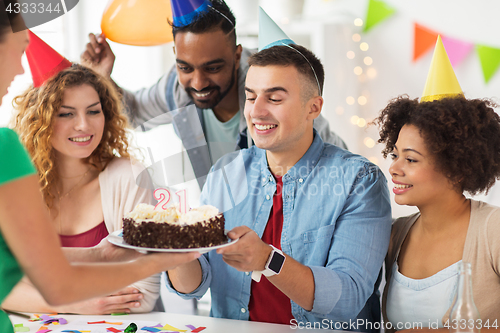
(170, 229)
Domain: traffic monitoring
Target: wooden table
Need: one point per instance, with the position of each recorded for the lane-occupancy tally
(177, 320)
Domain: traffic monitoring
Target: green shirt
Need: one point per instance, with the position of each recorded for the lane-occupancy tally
(14, 164)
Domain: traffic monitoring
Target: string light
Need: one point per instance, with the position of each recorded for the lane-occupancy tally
(363, 75)
(358, 22)
(371, 72)
(339, 110)
(374, 160)
(369, 142)
(361, 122)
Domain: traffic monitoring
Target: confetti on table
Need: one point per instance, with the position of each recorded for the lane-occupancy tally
(51, 320)
(107, 322)
(199, 329)
(151, 329)
(119, 314)
(21, 328)
(167, 327)
(112, 329)
(75, 331)
(43, 329)
(96, 322)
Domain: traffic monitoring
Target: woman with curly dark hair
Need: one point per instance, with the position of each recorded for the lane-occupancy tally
(74, 129)
(441, 148)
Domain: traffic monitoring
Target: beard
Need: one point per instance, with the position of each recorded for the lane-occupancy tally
(217, 96)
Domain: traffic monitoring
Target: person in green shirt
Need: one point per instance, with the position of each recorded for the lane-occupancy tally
(28, 241)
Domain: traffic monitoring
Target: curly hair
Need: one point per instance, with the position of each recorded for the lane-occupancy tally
(463, 135)
(37, 107)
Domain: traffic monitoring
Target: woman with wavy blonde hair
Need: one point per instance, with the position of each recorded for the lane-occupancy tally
(74, 128)
(38, 110)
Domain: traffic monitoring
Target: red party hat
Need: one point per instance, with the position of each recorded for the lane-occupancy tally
(44, 61)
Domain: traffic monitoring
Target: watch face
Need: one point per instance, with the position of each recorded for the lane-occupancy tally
(276, 262)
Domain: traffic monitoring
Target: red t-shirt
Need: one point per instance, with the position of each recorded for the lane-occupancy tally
(268, 303)
(88, 238)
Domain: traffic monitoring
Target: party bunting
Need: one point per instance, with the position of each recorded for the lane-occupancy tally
(377, 12)
(457, 50)
(490, 60)
(423, 41)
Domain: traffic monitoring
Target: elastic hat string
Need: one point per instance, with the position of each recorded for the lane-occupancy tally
(310, 65)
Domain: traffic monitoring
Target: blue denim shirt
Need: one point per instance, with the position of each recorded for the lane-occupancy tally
(336, 221)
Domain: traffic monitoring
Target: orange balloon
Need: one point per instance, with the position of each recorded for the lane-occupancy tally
(138, 22)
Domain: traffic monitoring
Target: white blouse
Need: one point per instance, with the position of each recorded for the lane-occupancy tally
(424, 302)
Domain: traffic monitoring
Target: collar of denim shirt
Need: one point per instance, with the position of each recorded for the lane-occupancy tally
(301, 169)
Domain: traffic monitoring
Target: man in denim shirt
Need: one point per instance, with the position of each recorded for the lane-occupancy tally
(326, 209)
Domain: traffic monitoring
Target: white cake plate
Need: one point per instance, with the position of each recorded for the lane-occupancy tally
(116, 238)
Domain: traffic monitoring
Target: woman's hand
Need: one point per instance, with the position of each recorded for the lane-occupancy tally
(109, 252)
(119, 302)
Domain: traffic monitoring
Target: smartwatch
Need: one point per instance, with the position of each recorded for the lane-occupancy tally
(273, 265)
